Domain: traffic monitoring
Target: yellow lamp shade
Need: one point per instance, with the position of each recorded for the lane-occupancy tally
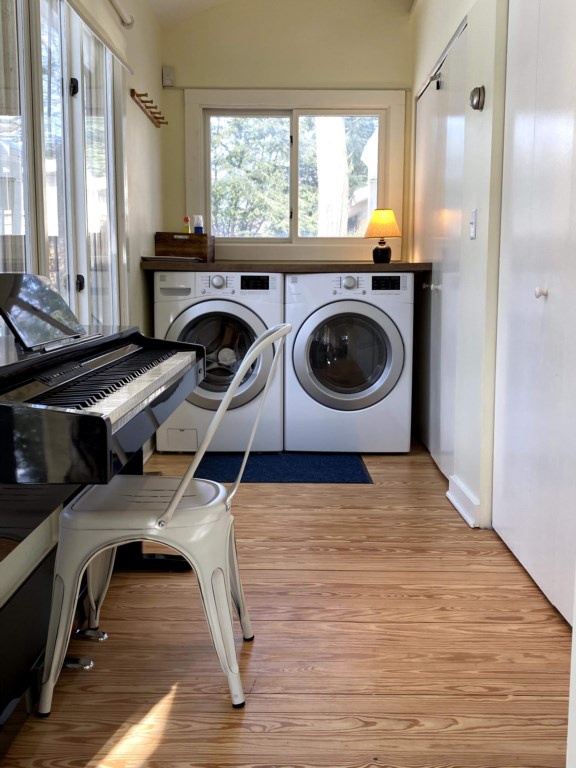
(382, 224)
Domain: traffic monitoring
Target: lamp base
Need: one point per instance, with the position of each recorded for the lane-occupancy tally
(382, 255)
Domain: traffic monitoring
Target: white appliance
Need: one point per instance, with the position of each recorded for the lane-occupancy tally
(225, 312)
(348, 366)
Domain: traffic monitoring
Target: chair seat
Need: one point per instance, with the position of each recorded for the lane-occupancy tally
(136, 502)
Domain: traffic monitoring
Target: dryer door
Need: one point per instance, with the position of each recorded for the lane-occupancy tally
(226, 329)
(348, 355)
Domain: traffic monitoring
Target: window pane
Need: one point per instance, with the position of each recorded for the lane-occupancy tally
(53, 137)
(12, 148)
(99, 186)
(337, 174)
(250, 176)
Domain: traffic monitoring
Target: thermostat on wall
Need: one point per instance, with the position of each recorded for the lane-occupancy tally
(167, 77)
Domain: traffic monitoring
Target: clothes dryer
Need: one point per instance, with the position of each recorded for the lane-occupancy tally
(225, 312)
(348, 375)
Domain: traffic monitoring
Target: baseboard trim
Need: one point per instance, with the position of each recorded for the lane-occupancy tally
(463, 500)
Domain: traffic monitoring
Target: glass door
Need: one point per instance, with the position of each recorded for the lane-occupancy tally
(55, 186)
(14, 208)
(99, 182)
(77, 150)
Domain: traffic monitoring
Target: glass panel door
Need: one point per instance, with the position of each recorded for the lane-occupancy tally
(13, 188)
(60, 270)
(99, 176)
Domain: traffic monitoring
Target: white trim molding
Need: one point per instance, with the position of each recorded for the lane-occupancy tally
(467, 504)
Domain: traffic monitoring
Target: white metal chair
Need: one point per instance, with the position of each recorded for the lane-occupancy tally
(188, 514)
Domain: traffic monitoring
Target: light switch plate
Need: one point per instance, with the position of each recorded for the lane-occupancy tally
(473, 223)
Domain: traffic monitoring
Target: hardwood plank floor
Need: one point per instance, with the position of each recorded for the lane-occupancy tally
(388, 635)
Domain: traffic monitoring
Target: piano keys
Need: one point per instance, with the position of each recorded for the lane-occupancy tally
(76, 415)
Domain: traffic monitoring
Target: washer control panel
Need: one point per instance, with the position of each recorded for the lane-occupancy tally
(237, 284)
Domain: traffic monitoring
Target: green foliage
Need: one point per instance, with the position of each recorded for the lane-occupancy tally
(250, 172)
(250, 184)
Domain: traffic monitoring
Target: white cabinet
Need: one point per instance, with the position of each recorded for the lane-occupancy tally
(534, 503)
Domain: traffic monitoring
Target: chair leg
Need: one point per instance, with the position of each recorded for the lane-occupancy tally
(64, 596)
(237, 592)
(216, 603)
(98, 575)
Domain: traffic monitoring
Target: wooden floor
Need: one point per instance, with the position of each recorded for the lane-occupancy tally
(388, 634)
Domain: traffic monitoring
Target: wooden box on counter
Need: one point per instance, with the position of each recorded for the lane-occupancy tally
(197, 247)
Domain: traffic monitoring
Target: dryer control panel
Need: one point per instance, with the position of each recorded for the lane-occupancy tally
(315, 289)
(366, 285)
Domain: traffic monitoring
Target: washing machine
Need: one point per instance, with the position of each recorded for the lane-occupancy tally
(225, 312)
(348, 365)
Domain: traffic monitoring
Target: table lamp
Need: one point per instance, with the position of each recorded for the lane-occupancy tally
(382, 224)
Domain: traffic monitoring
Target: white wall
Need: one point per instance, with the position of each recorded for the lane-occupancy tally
(277, 44)
(143, 156)
(434, 23)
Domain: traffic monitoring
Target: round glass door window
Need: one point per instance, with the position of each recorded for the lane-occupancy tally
(347, 354)
(226, 338)
(348, 360)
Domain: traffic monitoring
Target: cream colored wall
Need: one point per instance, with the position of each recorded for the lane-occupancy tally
(277, 44)
(143, 156)
(434, 23)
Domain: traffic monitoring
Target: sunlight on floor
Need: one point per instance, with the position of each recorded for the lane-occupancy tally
(141, 740)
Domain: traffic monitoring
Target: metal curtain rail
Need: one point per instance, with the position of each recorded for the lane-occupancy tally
(435, 72)
(126, 19)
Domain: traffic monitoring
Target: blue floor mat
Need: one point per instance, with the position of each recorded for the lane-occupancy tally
(286, 468)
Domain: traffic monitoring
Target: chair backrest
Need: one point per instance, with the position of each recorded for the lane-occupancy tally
(276, 334)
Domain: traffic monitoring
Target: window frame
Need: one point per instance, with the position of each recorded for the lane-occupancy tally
(389, 104)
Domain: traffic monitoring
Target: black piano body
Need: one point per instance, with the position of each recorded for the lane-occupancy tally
(49, 452)
(43, 443)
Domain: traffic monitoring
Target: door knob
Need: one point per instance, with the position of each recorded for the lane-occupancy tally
(540, 293)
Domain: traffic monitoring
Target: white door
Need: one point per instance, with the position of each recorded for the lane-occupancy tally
(438, 228)
(535, 437)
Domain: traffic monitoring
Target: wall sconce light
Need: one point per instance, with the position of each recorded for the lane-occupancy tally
(382, 224)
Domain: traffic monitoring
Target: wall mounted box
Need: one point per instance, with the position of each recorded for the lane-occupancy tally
(197, 247)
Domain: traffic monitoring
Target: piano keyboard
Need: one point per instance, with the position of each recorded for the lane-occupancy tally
(121, 389)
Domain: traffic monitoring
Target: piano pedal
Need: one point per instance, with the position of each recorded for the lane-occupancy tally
(75, 662)
(96, 635)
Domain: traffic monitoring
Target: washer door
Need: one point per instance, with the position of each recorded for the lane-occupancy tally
(227, 330)
(348, 355)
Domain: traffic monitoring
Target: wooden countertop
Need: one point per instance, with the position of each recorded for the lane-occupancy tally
(166, 264)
